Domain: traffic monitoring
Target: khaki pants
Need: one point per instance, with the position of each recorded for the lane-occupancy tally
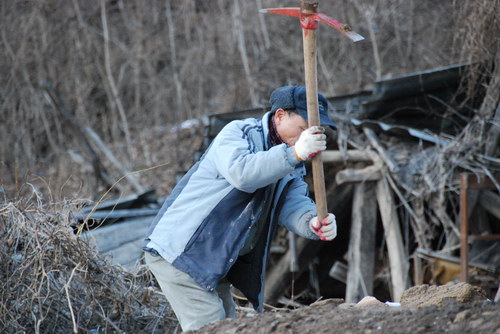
(193, 305)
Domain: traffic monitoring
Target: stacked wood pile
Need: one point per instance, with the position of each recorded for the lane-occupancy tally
(415, 183)
(412, 175)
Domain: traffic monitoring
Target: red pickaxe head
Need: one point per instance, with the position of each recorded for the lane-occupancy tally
(309, 18)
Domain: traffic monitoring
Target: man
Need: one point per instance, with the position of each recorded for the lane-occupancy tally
(216, 227)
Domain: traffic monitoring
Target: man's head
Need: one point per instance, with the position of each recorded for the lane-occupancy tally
(290, 112)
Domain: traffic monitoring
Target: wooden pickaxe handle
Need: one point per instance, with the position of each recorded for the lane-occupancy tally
(309, 18)
(311, 81)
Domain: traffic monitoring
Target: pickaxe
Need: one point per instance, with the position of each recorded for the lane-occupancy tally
(309, 17)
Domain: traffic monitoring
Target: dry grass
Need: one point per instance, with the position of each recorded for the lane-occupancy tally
(53, 282)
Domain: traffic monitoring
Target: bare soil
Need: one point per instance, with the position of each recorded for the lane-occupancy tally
(462, 309)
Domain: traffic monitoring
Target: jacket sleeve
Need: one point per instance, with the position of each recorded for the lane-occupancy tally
(298, 209)
(237, 160)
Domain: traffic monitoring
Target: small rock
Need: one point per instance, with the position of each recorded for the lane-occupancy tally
(461, 316)
(370, 301)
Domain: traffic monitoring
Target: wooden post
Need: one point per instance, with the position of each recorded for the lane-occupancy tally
(362, 243)
(464, 227)
(397, 255)
(418, 274)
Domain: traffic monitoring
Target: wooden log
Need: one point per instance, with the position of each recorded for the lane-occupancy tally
(397, 255)
(371, 173)
(362, 243)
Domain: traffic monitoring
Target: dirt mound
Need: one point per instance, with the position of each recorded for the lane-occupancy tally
(480, 317)
(426, 295)
(459, 311)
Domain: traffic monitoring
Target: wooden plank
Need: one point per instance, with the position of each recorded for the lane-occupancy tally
(398, 263)
(349, 156)
(109, 237)
(362, 243)
(371, 173)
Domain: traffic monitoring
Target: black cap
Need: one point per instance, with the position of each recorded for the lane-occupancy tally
(294, 97)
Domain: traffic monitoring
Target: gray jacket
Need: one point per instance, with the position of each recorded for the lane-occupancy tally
(205, 222)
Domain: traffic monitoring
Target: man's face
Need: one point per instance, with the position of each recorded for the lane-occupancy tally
(289, 126)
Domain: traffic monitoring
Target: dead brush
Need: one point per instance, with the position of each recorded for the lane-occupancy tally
(54, 282)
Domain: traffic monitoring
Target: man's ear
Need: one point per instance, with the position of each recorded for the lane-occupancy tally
(279, 114)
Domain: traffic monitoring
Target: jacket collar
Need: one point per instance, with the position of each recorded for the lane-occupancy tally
(265, 129)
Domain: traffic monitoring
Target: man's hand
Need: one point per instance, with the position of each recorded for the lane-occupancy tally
(327, 229)
(311, 141)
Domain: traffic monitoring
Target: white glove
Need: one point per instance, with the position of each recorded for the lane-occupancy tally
(311, 141)
(327, 229)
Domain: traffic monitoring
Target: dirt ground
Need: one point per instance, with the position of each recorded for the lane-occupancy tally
(455, 308)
